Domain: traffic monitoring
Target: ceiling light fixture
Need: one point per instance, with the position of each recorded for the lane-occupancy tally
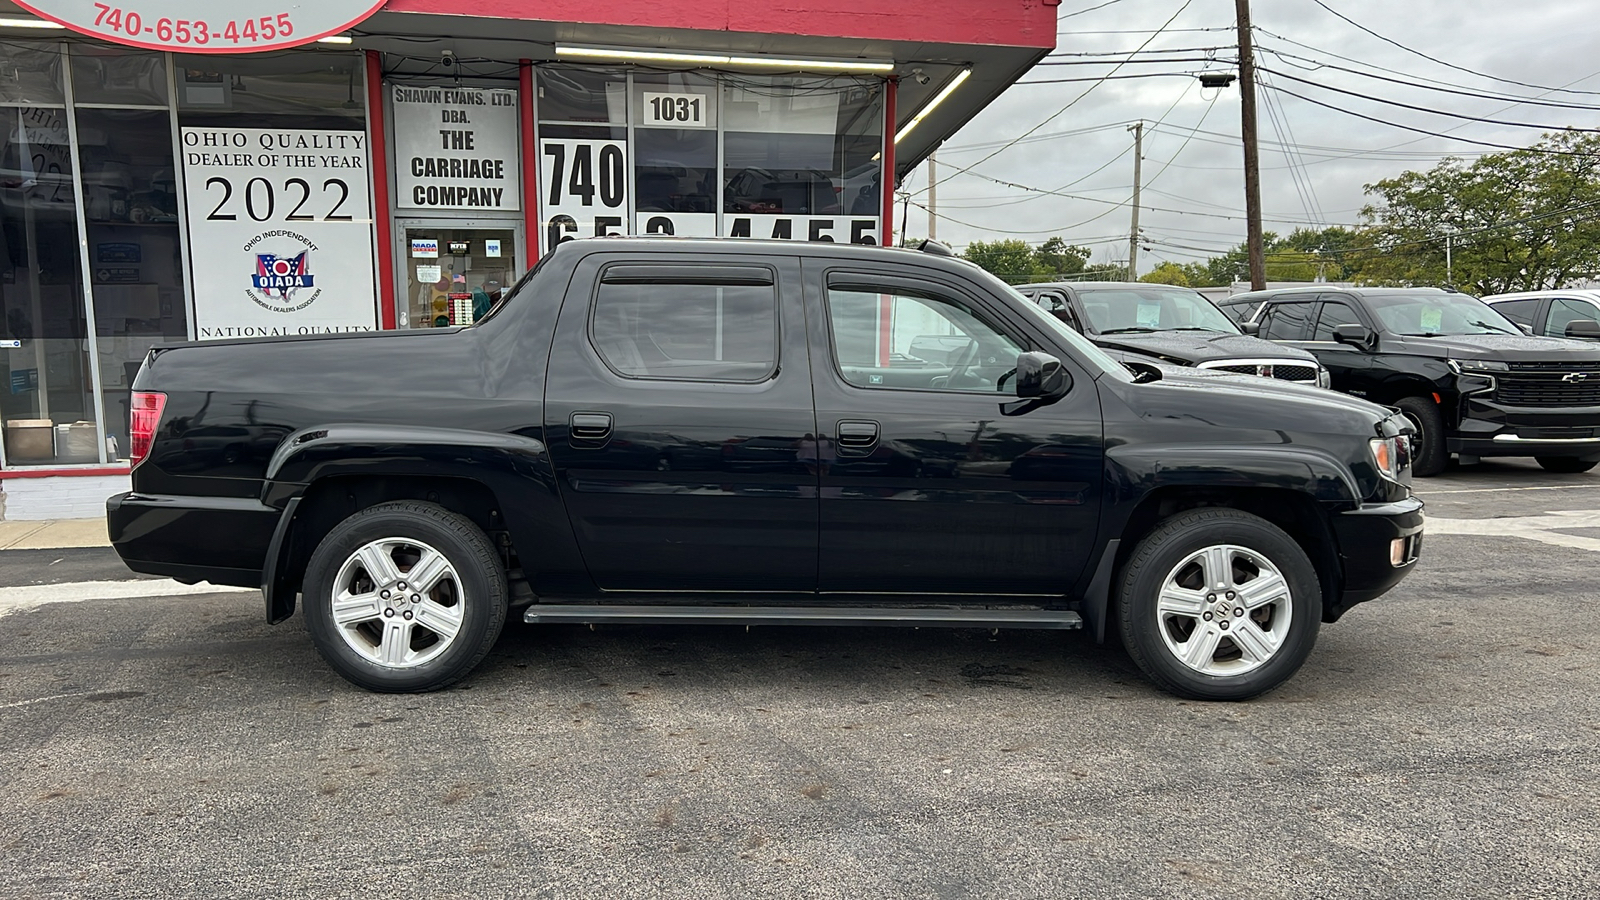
(8, 22)
(336, 39)
(718, 59)
(937, 99)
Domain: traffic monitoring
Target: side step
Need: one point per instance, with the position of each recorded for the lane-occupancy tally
(930, 617)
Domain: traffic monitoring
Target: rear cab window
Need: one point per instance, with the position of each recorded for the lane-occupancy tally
(687, 323)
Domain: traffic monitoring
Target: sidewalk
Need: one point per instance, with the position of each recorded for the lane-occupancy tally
(53, 534)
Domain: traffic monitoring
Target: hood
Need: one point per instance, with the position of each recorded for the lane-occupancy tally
(1195, 347)
(1250, 387)
(1503, 347)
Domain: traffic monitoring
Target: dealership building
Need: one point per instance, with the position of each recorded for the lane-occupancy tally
(174, 172)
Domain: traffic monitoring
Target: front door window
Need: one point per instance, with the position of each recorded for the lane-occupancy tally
(453, 275)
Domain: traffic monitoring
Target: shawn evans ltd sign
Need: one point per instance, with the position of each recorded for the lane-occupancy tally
(456, 148)
(206, 26)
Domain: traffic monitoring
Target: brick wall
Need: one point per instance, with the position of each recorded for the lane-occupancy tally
(59, 496)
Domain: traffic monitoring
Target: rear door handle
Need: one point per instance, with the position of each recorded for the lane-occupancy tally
(857, 437)
(589, 429)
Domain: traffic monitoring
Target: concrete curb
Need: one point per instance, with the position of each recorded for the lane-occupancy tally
(53, 534)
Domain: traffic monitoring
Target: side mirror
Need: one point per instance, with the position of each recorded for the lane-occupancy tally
(1359, 336)
(1252, 329)
(1525, 328)
(1040, 376)
(1041, 379)
(1584, 329)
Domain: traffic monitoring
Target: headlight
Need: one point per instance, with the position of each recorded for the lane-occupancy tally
(1477, 365)
(1323, 378)
(1391, 456)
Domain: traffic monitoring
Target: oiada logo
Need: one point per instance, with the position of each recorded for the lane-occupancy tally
(282, 280)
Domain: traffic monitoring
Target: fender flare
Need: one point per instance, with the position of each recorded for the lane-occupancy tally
(503, 463)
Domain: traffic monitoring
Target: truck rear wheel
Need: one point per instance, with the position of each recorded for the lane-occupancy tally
(404, 597)
(1218, 604)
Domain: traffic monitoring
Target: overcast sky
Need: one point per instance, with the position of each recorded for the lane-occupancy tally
(1548, 43)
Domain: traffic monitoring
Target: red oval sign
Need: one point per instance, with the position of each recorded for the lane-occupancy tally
(206, 26)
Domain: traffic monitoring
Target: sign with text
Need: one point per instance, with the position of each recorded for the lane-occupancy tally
(837, 229)
(280, 229)
(206, 26)
(675, 110)
(456, 148)
(585, 189)
(676, 223)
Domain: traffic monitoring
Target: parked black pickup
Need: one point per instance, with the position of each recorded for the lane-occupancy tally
(652, 430)
(1471, 382)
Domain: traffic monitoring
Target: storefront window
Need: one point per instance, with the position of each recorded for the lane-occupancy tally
(46, 405)
(309, 89)
(135, 251)
(33, 74)
(797, 146)
(675, 154)
(118, 75)
(582, 95)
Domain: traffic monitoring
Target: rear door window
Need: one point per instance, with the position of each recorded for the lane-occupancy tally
(1288, 321)
(687, 323)
(1519, 311)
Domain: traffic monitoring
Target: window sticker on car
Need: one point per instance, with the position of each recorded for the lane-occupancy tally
(1149, 315)
(1432, 319)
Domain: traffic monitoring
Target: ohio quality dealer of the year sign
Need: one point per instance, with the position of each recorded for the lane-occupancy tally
(206, 26)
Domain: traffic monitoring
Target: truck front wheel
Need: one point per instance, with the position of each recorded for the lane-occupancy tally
(1218, 604)
(404, 597)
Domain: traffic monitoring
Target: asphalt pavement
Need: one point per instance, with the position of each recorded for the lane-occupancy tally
(1440, 742)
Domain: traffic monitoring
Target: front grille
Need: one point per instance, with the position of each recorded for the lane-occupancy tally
(1300, 372)
(1551, 386)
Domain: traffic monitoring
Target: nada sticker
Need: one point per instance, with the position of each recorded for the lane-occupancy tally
(425, 248)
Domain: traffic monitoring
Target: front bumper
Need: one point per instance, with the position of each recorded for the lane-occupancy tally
(1490, 429)
(1367, 536)
(222, 540)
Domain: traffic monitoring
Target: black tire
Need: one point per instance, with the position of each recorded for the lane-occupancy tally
(1428, 454)
(1566, 465)
(472, 597)
(1147, 630)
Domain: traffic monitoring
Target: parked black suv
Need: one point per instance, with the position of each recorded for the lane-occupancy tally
(1468, 378)
(677, 430)
(1176, 326)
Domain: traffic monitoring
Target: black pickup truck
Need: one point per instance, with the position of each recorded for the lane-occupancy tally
(1471, 382)
(672, 430)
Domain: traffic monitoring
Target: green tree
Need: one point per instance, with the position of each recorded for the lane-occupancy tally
(1167, 273)
(1522, 220)
(1058, 258)
(1009, 260)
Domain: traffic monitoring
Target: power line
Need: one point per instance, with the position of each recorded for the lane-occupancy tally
(1087, 10)
(1437, 86)
(1087, 91)
(1438, 134)
(1448, 65)
(1436, 112)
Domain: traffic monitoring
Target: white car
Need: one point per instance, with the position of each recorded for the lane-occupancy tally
(1572, 314)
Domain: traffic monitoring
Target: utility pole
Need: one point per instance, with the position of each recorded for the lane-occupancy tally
(933, 196)
(1252, 161)
(1133, 235)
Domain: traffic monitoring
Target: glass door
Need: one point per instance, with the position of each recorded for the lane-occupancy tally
(453, 274)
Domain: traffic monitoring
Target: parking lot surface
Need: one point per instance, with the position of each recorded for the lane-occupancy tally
(1440, 742)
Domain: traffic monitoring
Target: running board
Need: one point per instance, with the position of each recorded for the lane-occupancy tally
(941, 617)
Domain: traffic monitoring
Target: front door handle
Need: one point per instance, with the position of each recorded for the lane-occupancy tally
(589, 429)
(857, 437)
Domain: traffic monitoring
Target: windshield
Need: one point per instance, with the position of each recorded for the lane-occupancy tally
(1429, 315)
(1073, 339)
(1138, 308)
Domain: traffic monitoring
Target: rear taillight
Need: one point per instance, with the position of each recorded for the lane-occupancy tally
(145, 416)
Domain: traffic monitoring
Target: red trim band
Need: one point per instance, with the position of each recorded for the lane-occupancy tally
(890, 128)
(379, 155)
(50, 471)
(530, 165)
